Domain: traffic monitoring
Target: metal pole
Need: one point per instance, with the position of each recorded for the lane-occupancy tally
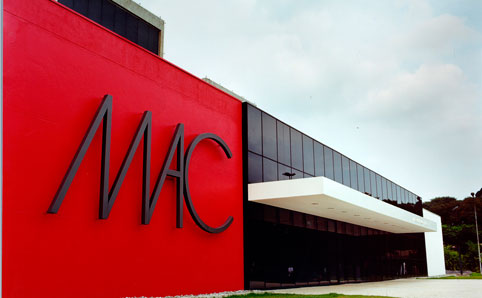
(477, 232)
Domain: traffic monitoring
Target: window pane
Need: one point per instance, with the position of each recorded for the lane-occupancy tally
(120, 25)
(131, 29)
(353, 175)
(385, 189)
(308, 164)
(379, 187)
(298, 174)
(319, 160)
(283, 171)
(366, 174)
(94, 11)
(337, 167)
(143, 34)
(269, 136)
(399, 195)
(361, 180)
(284, 151)
(373, 184)
(81, 6)
(255, 168)
(254, 129)
(296, 150)
(328, 157)
(345, 163)
(270, 170)
(108, 12)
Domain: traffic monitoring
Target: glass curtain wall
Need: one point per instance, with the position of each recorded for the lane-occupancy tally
(277, 151)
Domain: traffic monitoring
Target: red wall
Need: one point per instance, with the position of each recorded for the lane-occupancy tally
(57, 67)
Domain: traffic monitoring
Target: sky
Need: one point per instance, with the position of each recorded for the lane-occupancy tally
(394, 85)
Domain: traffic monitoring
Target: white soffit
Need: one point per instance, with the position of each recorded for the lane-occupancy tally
(326, 198)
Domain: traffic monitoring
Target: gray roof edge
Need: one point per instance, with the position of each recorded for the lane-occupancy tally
(237, 96)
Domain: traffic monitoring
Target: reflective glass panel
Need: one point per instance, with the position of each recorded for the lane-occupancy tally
(308, 163)
(337, 167)
(270, 170)
(319, 160)
(255, 168)
(296, 150)
(384, 188)
(254, 130)
(283, 171)
(379, 186)
(284, 151)
(366, 175)
(328, 154)
(353, 175)
(298, 174)
(373, 184)
(345, 163)
(269, 136)
(361, 180)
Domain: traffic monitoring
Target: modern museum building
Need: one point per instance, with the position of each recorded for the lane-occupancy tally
(124, 175)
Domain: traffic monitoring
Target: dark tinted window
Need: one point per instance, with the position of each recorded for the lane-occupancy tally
(366, 175)
(80, 6)
(120, 22)
(255, 168)
(296, 150)
(373, 184)
(117, 19)
(269, 136)
(390, 187)
(108, 15)
(345, 163)
(399, 195)
(319, 160)
(353, 175)
(361, 180)
(379, 186)
(308, 163)
(254, 129)
(95, 9)
(384, 188)
(337, 167)
(282, 171)
(270, 170)
(298, 174)
(284, 150)
(328, 157)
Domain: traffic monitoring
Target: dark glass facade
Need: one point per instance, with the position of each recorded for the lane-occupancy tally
(119, 20)
(283, 149)
(285, 248)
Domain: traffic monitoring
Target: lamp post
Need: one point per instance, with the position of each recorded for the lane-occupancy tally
(477, 232)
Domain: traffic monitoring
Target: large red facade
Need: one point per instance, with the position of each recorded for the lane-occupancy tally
(57, 67)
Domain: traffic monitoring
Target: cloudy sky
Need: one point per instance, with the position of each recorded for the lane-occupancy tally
(394, 85)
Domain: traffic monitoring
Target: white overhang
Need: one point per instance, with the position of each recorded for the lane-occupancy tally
(326, 198)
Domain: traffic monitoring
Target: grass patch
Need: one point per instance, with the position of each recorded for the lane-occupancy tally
(474, 275)
(275, 295)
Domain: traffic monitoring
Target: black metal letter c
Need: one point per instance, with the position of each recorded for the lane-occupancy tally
(187, 194)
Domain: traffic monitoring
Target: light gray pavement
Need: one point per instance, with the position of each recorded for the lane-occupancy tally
(405, 288)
